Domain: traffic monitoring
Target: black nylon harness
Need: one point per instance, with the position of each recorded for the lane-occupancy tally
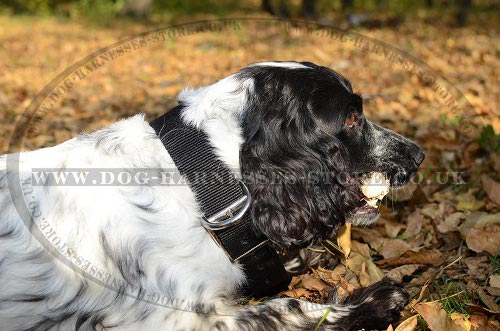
(216, 189)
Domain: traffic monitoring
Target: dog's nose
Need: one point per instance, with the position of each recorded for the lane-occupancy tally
(419, 156)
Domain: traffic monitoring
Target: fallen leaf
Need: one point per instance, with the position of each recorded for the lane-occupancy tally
(394, 248)
(375, 273)
(364, 277)
(492, 188)
(451, 222)
(409, 324)
(470, 205)
(370, 236)
(461, 320)
(415, 222)
(485, 298)
(479, 322)
(298, 293)
(480, 230)
(436, 317)
(434, 258)
(311, 283)
(355, 262)
(432, 210)
(494, 291)
(484, 239)
(338, 273)
(344, 239)
(295, 280)
(495, 280)
(361, 264)
(468, 202)
(360, 248)
(496, 162)
(398, 273)
(391, 228)
(478, 266)
(478, 220)
(477, 309)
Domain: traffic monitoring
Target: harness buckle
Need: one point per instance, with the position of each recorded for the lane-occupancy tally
(231, 214)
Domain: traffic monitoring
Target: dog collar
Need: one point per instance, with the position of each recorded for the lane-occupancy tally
(224, 201)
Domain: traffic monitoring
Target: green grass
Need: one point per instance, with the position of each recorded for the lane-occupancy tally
(452, 295)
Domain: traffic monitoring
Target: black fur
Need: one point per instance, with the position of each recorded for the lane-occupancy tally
(300, 160)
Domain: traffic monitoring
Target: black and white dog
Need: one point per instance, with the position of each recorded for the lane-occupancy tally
(267, 118)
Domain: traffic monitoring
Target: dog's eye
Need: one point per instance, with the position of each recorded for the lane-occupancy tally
(351, 119)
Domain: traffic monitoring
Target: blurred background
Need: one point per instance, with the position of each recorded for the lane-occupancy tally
(447, 232)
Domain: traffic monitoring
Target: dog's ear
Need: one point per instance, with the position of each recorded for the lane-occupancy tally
(295, 170)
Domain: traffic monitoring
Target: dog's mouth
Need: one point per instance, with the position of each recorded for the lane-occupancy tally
(373, 187)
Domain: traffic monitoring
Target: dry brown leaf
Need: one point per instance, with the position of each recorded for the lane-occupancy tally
(415, 222)
(496, 162)
(479, 322)
(492, 188)
(481, 231)
(477, 309)
(338, 273)
(434, 258)
(344, 239)
(355, 262)
(394, 248)
(484, 239)
(298, 293)
(391, 228)
(370, 236)
(398, 273)
(360, 248)
(361, 265)
(470, 205)
(295, 280)
(364, 277)
(369, 273)
(374, 272)
(494, 291)
(478, 266)
(461, 320)
(409, 324)
(478, 220)
(488, 301)
(436, 317)
(432, 210)
(311, 283)
(451, 222)
(495, 280)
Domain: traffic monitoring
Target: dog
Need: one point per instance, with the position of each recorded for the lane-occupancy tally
(148, 241)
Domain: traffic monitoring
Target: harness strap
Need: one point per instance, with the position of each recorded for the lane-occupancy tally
(216, 188)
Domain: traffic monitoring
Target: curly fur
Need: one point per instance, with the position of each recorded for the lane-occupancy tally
(290, 132)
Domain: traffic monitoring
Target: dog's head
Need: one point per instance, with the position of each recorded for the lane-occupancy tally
(306, 142)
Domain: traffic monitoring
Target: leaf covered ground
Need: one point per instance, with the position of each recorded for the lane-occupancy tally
(441, 237)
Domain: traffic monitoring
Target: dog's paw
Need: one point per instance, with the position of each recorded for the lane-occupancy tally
(375, 306)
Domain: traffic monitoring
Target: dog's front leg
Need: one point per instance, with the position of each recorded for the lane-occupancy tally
(373, 307)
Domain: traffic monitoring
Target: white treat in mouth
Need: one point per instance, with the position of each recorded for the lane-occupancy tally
(374, 187)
